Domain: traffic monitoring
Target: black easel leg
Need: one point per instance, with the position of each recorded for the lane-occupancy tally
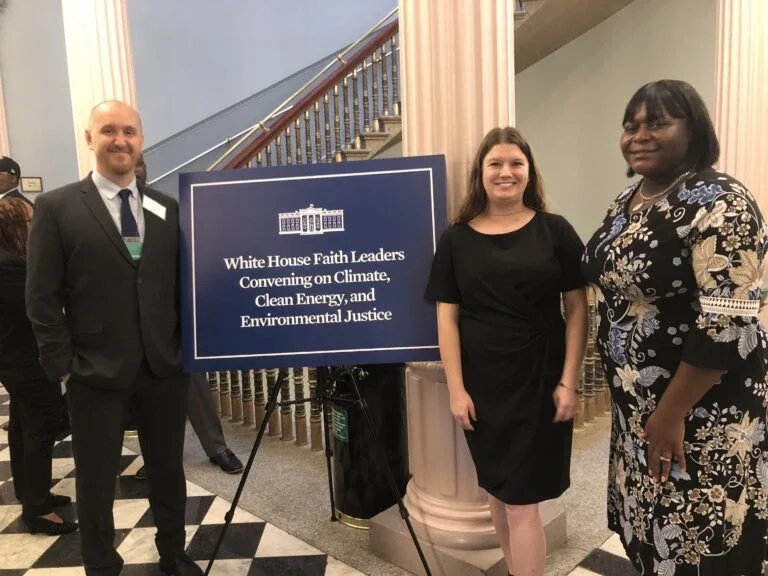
(388, 471)
(323, 381)
(269, 408)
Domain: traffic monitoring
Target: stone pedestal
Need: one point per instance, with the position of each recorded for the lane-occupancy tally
(449, 511)
(390, 539)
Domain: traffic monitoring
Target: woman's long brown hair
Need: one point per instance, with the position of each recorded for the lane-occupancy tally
(15, 215)
(476, 200)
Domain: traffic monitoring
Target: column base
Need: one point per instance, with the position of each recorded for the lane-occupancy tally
(450, 553)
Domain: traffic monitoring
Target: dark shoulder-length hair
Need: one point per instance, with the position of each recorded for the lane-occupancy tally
(476, 200)
(15, 215)
(679, 100)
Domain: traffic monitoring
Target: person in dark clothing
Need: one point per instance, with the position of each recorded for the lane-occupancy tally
(36, 401)
(200, 410)
(10, 174)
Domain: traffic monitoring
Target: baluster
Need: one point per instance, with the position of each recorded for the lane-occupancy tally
(274, 419)
(318, 136)
(236, 394)
(259, 398)
(366, 112)
(375, 77)
(297, 134)
(578, 417)
(269, 154)
(589, 372)
(336, 119)
(248, 411)
(327, 125)
(286, 412)
(260, 159)
(355, 107)
(315, 413)
(288, 151)
(300, 413)
(279, 150)
(395, 78)
(602, 393)
(347, 134)
(226, 399)
(384, 83)
(213, 383)
(307, 138)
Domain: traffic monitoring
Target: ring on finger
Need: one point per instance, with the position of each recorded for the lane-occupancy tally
(665, 459)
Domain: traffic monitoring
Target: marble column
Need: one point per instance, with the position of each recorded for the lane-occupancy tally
(458, 74)
(100, 62)
(741, 95)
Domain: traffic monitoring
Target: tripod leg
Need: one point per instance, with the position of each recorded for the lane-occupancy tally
(270, 407)
(388, 471)
(322, 385)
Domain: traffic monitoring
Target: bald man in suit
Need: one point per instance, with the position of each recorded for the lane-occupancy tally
(102, 296)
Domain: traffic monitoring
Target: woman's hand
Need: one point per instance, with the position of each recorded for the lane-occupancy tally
(565, 402)
(463, 409)
(665, 437)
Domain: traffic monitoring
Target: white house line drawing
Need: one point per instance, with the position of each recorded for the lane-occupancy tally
(311, 221)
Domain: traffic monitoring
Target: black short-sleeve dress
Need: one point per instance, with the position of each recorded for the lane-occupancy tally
(512, 335)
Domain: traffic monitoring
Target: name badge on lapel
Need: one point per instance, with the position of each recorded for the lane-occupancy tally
(135, 247)
(153, 206)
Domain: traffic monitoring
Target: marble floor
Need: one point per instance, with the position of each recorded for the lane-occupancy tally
(252, 546)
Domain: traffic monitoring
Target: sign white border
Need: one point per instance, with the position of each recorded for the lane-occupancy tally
(312, 177)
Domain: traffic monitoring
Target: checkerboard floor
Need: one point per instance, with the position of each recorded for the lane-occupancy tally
(252, 547)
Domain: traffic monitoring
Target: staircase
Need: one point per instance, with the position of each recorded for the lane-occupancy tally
(351, 114)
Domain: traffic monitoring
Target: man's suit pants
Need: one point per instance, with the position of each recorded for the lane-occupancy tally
(98, 417)
(203, 417)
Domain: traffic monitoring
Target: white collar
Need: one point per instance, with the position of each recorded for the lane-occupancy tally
(109, 188)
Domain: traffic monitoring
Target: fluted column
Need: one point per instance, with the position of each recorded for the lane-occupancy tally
(458, 77)
(100, 62)
(5, 148)
(443, 491)
(741, 95)
(457, 82)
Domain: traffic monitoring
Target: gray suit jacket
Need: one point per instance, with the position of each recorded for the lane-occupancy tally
(95, 312)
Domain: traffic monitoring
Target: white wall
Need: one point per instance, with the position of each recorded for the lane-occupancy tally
(570, 104)
(38, 108)
(193, 58)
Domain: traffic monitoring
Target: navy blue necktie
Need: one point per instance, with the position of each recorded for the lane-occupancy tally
(127, 222)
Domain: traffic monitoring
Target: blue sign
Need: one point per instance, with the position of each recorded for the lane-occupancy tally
(313, 265)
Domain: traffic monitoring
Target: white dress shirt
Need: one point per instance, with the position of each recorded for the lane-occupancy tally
(109, 192)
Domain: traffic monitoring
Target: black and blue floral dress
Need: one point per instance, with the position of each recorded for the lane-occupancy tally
(681, 281)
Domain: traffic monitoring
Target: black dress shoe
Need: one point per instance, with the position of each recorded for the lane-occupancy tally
(44, 526)
(179, 565)
(228, 462)
(141, 473)
(58, 500)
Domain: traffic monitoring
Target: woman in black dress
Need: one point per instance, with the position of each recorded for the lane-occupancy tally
(678, 264)
(511, 362)
(36, 403)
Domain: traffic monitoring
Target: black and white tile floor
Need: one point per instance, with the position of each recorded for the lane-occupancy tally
(252, 547)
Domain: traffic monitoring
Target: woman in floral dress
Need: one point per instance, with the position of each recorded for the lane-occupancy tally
(677, 266)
